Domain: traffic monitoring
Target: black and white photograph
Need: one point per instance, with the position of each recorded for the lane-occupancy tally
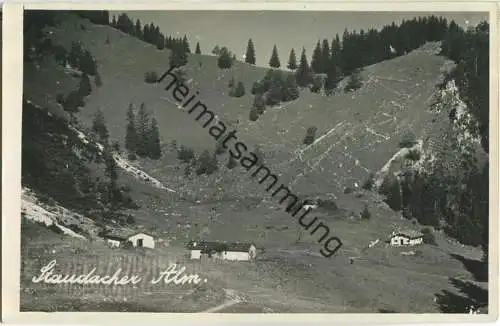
(256, 161)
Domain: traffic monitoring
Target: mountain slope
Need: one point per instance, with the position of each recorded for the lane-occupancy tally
(358, 133)
(392, 101)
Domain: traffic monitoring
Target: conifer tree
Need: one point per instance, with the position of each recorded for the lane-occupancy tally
(125, 24)
(116, 146)
(85, 88)
(239, 90)
(231, 82)
(317, 84)
(250, 54)
(274, 62)
(154, 150)
(336, 50)
(146, 33)
(254, 115)
(333, 71)
(259, 103)
(138, 30)
(178, 58)
(75, 54)
(231, 163)
(206, 163)
(292, 60)
(225, 60)
(185, 154)
(303, 73)
(350, 52)
(73, 101)
(394, 199)
(160, 42)
(99, 126)
(112, 175)
(198, 50)
(325, 56)
(257, 88)
(156, 37)
(275, 91)
(153, 30)
(332, 77)
(310, 135)
(355, 81)
(216, 50)
(258, 107)
(385, 187)
(98, 80)
(185, 45)
(87, 63)
(131, 138)
(142, 131)
(365, 214)
(406, 192)
(369, 183)
(316, 60)
(291, 90)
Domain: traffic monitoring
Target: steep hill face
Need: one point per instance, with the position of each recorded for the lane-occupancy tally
(122, 64)
(357, 132)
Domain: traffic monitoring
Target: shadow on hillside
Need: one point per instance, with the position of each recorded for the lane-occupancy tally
(477, 268)
(470, 295)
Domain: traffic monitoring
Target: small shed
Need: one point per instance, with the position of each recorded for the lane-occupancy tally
(406, 238)
(114, 241)
(141, 239)
(136, 239)
(238, 251)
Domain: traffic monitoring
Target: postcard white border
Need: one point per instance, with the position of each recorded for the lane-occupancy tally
(11, 171)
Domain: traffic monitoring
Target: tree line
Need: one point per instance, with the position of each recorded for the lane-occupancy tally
(451, 192)
(142, 136)
(100, 17)
(150, 33)
(56, 165)
(455, 189)
(348, 53)
(470, 50)
(80, 59)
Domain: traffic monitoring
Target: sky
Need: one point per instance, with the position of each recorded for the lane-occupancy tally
(286, 29)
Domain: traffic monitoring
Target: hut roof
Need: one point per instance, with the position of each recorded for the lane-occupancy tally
(123, 234)
(219, 246)
(412, 234)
